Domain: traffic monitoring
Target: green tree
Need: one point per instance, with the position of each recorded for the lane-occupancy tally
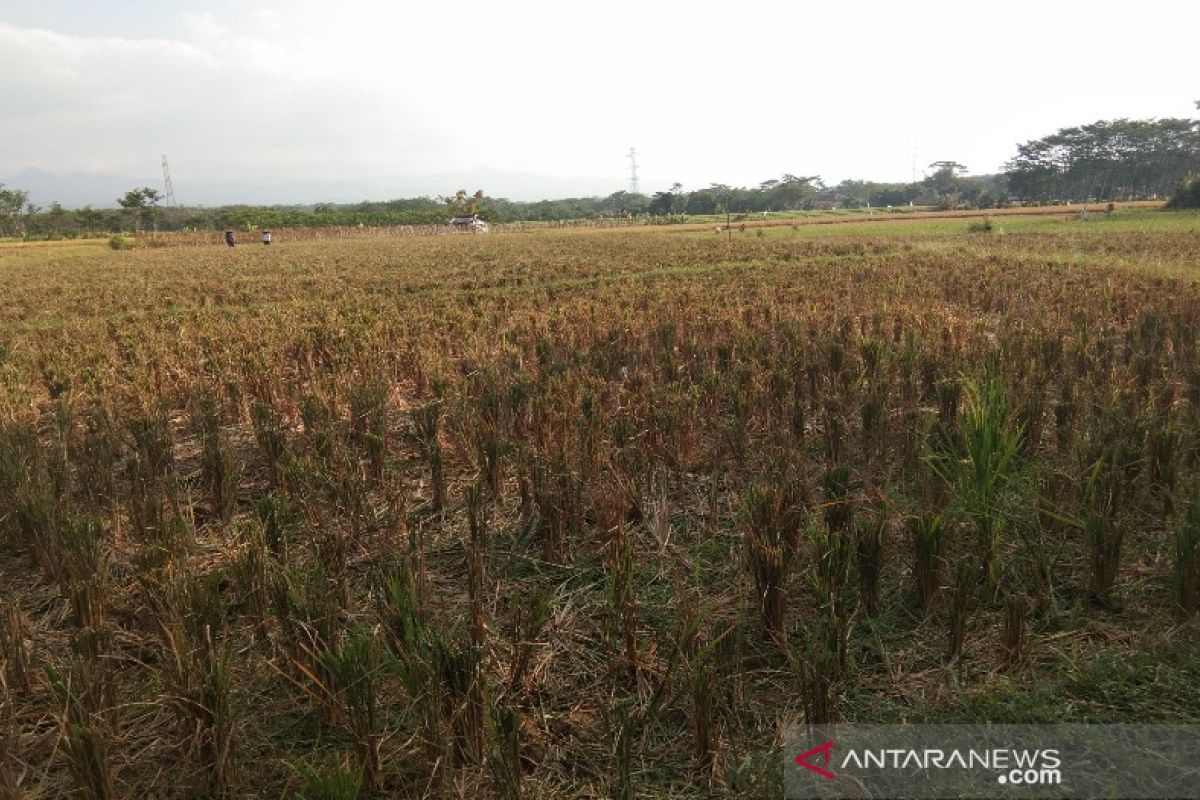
(1187, 195)
(949, 184)
(945, 177)
(661, 204)
(623, 204)
(788, 193)
(462, 204)
(12, 202)
(1120, 159)
(704, 201)
(678, 199)
(88, 219)
(141, 205)
(57, 218)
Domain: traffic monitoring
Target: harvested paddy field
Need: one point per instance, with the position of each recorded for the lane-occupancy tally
(588, 513)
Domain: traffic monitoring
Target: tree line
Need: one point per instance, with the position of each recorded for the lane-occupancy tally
(141, 209)
(1119, 159)
(1122, 159)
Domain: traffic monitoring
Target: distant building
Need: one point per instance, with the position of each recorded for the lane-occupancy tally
(828, 201)
(471, 224)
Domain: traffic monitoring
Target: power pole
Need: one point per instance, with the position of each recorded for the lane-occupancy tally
(168, 187)
(633, 167)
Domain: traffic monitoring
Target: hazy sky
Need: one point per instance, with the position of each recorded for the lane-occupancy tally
(736, 93)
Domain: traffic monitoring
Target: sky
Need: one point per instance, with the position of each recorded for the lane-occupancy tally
(395, 97)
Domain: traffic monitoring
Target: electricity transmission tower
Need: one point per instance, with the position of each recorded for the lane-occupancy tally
(633, 179)
(168, 187)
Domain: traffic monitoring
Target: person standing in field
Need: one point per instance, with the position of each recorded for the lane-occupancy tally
(266, 237)
(229, 239)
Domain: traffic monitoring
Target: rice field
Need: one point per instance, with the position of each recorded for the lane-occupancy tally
(590, 513)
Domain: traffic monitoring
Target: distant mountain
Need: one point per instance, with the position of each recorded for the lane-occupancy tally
(101, 191)
(77, 189)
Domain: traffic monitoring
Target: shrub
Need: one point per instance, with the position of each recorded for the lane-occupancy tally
(333, 779)
(1187, 194)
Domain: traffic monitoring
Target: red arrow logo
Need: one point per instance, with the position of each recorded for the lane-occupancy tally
(824, 749)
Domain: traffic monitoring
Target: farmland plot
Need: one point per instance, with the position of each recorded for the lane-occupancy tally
(588, 513)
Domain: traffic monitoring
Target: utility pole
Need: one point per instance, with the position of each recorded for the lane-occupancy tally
(168, 187)
(633, 168)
